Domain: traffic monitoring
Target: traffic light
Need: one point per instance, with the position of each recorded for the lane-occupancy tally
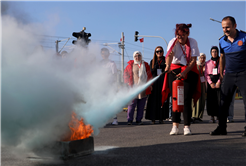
(86, 37)
(136, 36)
(81, 36)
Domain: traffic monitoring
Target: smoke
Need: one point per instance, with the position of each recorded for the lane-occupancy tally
(4, 8)
(12, 9)
(41, 89)
(36, 97)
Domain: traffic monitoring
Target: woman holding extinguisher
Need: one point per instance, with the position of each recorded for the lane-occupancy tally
(181, 63)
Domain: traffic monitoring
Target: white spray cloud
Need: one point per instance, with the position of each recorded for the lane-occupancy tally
(40, 89)
(13, 9)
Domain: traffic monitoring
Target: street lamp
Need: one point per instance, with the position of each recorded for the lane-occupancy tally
(215, 20)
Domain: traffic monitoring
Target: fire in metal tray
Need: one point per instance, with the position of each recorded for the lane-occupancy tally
(79, 142)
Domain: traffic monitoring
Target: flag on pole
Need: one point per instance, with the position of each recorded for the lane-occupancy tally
(123, 38)
(141, 40)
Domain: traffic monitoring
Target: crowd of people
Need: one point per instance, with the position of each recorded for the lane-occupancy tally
(210, 84)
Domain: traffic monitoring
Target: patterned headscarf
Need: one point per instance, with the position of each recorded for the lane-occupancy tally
(198, 62)
(142, 70)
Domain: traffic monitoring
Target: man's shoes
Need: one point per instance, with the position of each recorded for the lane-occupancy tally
(244, 133)
(174, 131)
(139, 122)
(218, 131)
(115, 122)
(129, 123)
(230, 120)
(161, 121)
(187, 131)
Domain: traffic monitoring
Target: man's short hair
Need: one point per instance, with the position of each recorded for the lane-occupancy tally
(232, 19)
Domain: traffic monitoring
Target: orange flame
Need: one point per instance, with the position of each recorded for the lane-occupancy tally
(78, 129)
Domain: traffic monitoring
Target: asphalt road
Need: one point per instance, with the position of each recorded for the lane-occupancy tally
(152, 145)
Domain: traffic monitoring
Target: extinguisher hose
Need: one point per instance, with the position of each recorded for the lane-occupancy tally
(163, 73)
(178, 78)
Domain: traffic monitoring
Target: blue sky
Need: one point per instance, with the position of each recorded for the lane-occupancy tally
(106, 20)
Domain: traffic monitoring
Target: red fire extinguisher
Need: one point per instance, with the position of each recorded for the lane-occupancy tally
(178, 95)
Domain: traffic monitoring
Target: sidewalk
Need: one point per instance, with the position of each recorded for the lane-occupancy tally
(152, 145)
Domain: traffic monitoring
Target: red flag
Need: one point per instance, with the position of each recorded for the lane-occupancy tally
(141, 40)
(123, 38)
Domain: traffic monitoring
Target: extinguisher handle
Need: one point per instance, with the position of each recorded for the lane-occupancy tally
(178, 78)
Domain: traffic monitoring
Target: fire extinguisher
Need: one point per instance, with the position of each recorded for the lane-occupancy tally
(178, 95)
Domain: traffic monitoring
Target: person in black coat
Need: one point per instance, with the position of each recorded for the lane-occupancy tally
(154, 110)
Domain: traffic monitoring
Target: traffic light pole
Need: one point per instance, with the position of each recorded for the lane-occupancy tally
(122, 56)
(151, 36)
(122, 46)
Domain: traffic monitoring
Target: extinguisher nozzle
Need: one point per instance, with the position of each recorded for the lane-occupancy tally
(163, 73)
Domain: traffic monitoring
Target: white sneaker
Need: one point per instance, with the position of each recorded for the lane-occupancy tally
(115, 122)
(174, 131)
(187, 131)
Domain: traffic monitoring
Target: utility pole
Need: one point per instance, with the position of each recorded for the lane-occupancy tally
(57, 42)
(119, 44)
(64, 44)
(122, 56)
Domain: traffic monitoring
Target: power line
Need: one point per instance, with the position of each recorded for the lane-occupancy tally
(127, 55)
(53, 36)
(133, 49)
(49, 41)
(139, 46)
(73, 37)
(48, 46)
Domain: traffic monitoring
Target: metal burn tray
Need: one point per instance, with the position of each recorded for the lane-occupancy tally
(77, 148)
